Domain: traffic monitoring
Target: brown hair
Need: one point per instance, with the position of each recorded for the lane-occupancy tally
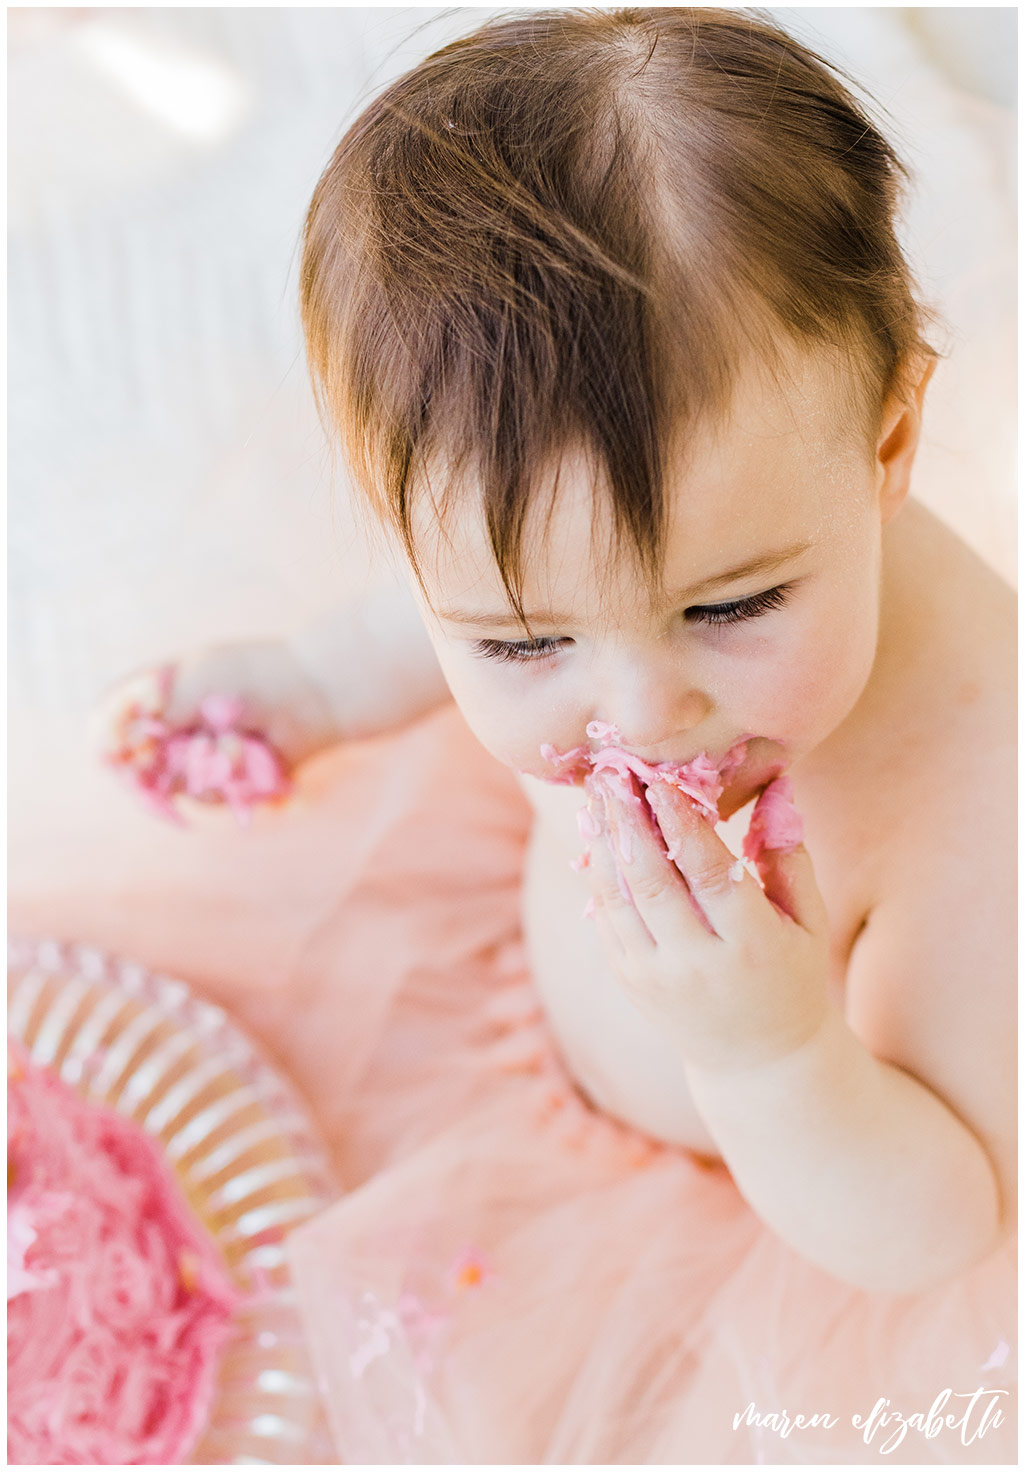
(567, 228)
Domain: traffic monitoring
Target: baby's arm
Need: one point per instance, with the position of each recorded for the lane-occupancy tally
(859, 1166)
(888, 1155)
(366, 668)
(372, 662)
(874, 1134)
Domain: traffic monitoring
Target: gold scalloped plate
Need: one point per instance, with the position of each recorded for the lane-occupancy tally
(237, 1138)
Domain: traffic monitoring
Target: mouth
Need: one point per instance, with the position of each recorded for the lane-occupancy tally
(718, 787)
(750, 779)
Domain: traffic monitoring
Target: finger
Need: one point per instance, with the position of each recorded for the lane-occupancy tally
(774, 842)
(789, 882)
(725, 892)
(659, 890)
(142, 694)
(615, 911)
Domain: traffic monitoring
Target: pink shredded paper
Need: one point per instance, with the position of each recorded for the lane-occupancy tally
(118, 1304)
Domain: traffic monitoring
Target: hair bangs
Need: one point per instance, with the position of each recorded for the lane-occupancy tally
(567, 230)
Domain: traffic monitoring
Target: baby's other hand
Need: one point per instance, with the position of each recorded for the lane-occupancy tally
(280, 700)
(275, 699)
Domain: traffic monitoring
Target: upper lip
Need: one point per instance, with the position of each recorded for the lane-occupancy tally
(654, 760)
(658, 761)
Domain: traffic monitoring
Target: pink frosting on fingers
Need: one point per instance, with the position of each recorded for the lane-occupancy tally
(213, 758)
(775, 823)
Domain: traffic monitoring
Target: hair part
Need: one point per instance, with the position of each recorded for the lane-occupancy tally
(570, 228)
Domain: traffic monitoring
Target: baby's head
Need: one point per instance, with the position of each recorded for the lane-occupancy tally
(609, 311)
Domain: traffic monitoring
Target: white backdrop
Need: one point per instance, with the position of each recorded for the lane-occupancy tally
(169, 484)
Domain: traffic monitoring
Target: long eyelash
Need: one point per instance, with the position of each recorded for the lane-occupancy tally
(526, 649)
(740, 609)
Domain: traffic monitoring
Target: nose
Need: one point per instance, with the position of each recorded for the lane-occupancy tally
(653, 705)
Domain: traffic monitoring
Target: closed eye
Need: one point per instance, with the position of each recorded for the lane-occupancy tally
(738, 610)
(519, 651)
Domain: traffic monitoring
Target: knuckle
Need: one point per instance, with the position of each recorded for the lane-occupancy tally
(710, 879)
(647, 886)
(610, 900)
(606, 883)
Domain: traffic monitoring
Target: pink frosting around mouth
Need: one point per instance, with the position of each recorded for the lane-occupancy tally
(775, 822)
(701, 779)
(118, 1303)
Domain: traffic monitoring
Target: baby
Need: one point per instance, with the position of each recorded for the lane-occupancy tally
(609, 313)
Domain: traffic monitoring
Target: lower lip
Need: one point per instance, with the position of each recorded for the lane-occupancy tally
(752, 756)
(767, 758)
(751, 773)
(755, 773)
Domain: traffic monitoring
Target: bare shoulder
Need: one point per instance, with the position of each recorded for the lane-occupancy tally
(932, 980)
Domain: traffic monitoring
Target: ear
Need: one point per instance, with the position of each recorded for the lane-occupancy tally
(898, 439)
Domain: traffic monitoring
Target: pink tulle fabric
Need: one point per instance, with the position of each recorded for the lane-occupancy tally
(118, 1304)
(513, 1276)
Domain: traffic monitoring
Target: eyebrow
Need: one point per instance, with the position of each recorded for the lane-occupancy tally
(769, 562)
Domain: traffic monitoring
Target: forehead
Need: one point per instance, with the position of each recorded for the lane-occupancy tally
(775, 467)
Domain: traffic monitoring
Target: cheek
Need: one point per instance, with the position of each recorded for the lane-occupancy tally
(806, 685)
(511, 711)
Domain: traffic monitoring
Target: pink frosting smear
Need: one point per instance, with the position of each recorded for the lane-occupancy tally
(701, 779)
(212, 759)
(118, 1303)
(774, 824)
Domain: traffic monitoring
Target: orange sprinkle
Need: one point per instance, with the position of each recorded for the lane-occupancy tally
(12, 1171)
(470, 1276)
(188, 1271)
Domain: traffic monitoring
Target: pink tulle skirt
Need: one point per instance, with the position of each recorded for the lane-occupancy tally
(512, 1276)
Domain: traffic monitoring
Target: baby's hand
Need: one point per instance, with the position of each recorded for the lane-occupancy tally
(734, 974)
(225, 725)
(279, 697)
